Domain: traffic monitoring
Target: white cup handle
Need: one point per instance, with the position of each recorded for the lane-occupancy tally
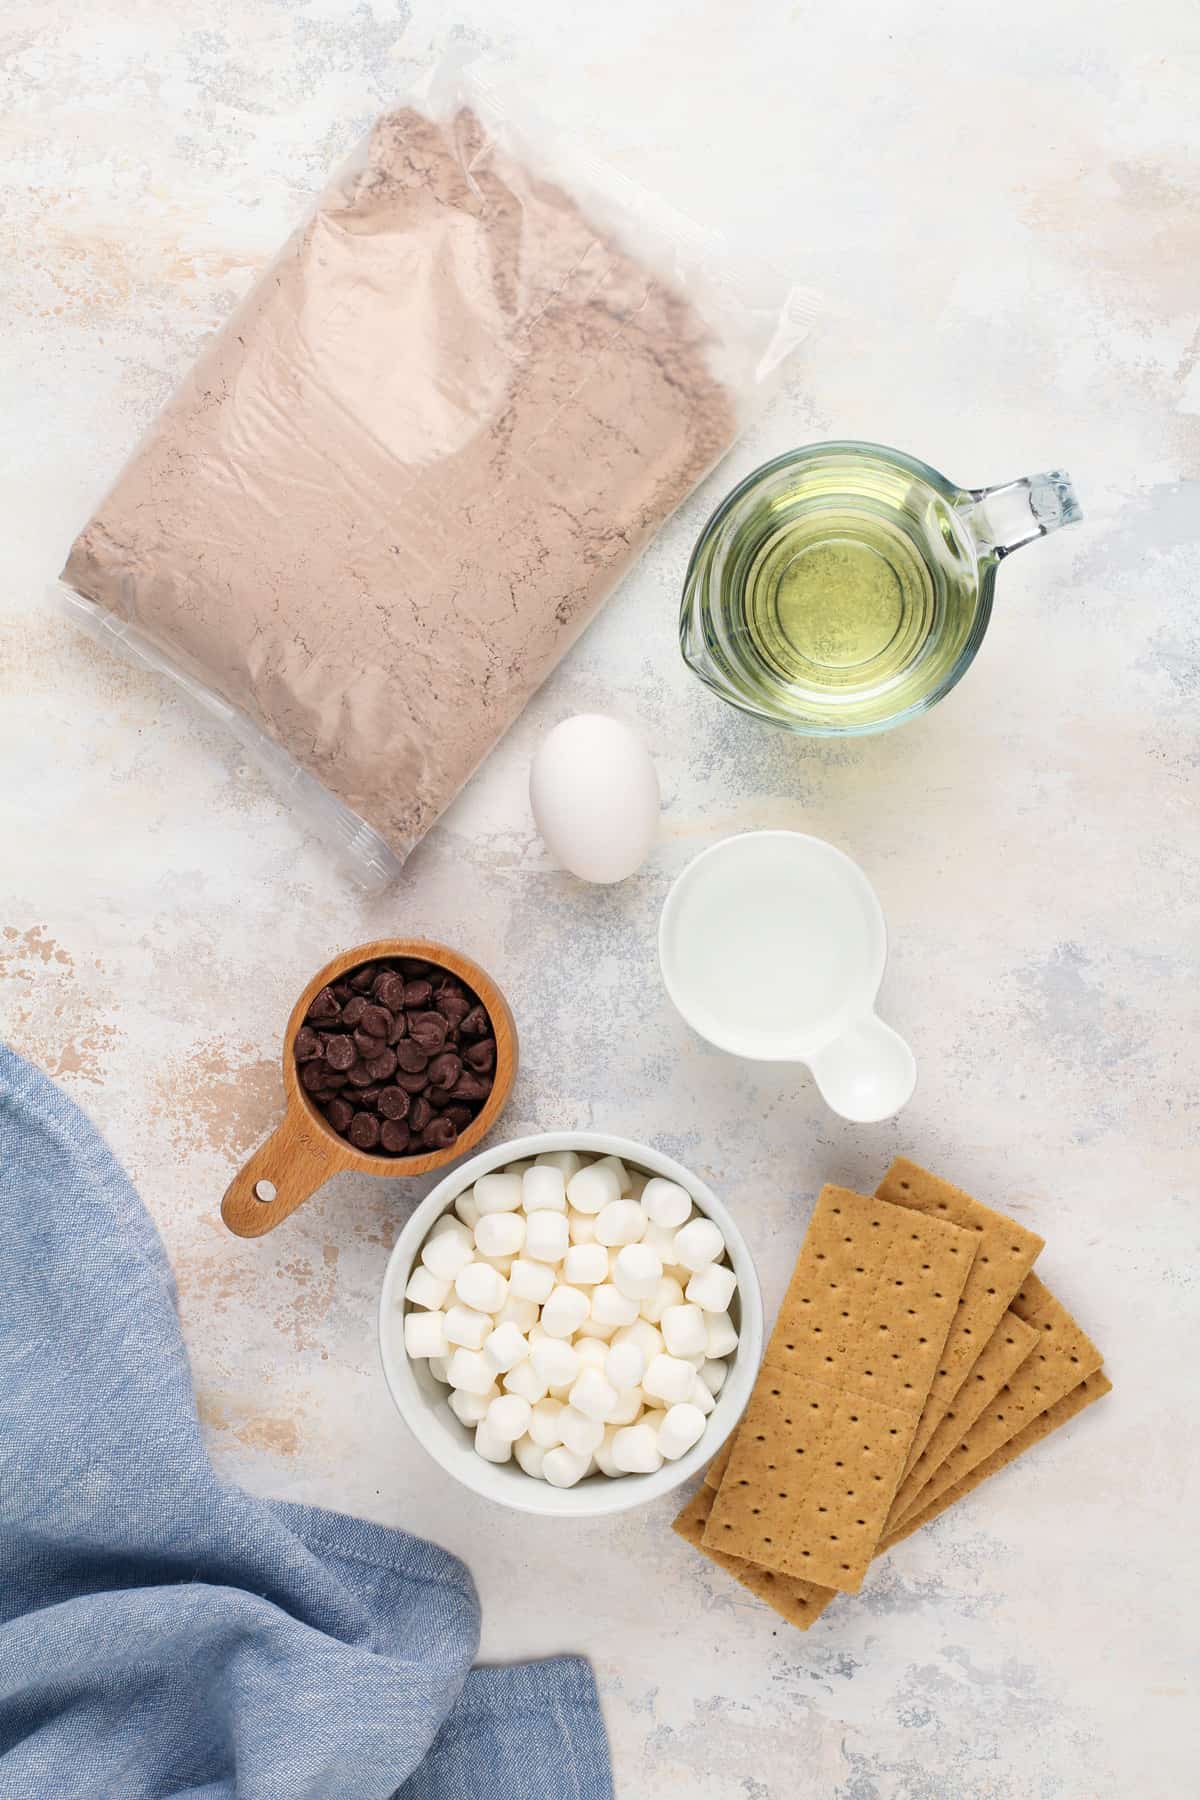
(867, 1074)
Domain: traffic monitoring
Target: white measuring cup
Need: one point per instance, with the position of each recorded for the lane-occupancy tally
(772, 946)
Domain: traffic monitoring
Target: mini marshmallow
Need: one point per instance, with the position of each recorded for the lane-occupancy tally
(580, 1433)
(502, 1264)
(515, 1311)
(637, 1271)
(425, 1334)
(567, 1307)
(667, 1293)
(471, 1408)
(682, 1427)
(525, 1381)
(555, 1361)
(713, 1373)
(448, 1253)
(504, 1349)
(685, 1331)
(624, 1365)
(492, 1448)
(567, 1160)
(591, 1328)
(620, 1222)
(544, 1423)
(624, 1178)
(661, 1239)
(701, 1398)
(439, 1368)
(602, 1454)
(593, 1188)
(531, 1456)
(635, 1450)
(467, 1327)
(519, 1168)
(530, 1280)
(468, 1370)
(698, 1243)
(722, 1334)
(497, 1193)
(712, 1288)
(467, 1210)
(592, 1352)
(500, 1234)
(669, 1378)
(445, 1222)
(482, 1287)
(508, 1417)
(638, 1180)
(611, 1307)
(647, 1337)
(584, 1265)
(562, 1468)
(544, 1190)
(546, 1237)
(666, 1203)
(628, 1408)
(581, 1227)
(593, 1396)
(427, 1289)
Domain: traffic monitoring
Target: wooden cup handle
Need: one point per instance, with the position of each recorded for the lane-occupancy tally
(295, 1161)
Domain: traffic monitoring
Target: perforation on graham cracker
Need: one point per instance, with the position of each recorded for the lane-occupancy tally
(1093, 1387)
(799, 1602)
(1062, 1358)
(1006, 1253)
(814, 1468)
(1001, 1357)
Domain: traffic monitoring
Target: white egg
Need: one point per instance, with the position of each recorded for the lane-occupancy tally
(595, 799)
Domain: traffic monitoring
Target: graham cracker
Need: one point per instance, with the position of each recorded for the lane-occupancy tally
(796, 1600)
(1093, 1387)
(1006, 1253)
(814, 1468)
(1000, 1358)
(1064, 1356)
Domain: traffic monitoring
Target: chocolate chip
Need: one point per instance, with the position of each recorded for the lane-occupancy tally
(362, 979)
(340, 1053)
(353, 1010)
(413, 1081)
(377, 1020)
(461, 1114)
(419, 1114)
(308, 1044)
(394, 1103)
(367, 1045)
(368, 1096)
(468, 1086)
(360, 1076)
(481, 1056)
(383, 1066)
(364, 1131)
(410, 1056)
(339, 1112)
(453, 1005)
(324, 1007)
(389, 990)
(445, 1069)
(394, 1136)
(414, 966)
(440, 1133)
(438, 1097)
(428, 1029)
(399, 1028)
(416, 994)
(475, 1025)
(342, 990)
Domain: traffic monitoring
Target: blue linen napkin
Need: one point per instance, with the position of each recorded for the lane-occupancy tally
(161, 1634)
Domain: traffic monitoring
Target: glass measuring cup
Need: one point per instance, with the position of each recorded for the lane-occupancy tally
(846, 587)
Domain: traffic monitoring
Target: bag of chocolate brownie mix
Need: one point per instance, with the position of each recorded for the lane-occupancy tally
(402, 478)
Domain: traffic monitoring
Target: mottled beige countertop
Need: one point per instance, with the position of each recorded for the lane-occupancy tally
(1001, 206)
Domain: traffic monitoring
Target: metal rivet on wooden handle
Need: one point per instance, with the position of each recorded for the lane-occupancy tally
(279, 1177)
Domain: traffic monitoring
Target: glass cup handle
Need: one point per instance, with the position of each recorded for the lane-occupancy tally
(1002, 519)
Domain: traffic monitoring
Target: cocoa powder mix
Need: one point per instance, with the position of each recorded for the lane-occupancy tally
(401, 480)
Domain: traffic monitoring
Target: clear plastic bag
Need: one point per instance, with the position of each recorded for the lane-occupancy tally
(405, 474)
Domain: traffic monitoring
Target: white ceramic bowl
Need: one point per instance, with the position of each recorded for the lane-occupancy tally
(422, 1401)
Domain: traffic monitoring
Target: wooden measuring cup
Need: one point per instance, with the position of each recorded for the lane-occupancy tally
(304, 1150)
